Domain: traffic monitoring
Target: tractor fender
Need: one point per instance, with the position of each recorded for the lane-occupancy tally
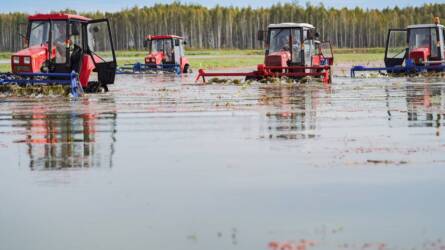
(86, 69)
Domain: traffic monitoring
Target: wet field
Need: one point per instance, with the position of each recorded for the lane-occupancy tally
(162, 163)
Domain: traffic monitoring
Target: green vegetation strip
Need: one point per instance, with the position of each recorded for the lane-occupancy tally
(212, 59)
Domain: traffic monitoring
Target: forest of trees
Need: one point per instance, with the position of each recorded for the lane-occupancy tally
(234, 27)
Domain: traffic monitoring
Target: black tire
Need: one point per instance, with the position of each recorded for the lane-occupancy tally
(187, 69)
(96, 87)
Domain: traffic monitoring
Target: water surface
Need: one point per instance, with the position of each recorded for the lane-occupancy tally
(162, 163)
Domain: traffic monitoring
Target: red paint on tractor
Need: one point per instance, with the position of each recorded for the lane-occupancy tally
(37, 56)
(86, 69)
(154, 58)
(56, 16)
(277, 59)
(420, 55)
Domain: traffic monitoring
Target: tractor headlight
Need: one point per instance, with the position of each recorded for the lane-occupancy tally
(16, 60)
(27, 60)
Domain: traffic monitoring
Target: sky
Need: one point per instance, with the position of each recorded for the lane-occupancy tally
(35, 6)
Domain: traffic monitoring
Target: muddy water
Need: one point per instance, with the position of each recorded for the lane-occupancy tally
(162, 163)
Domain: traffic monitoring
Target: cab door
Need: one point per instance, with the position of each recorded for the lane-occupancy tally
(396, 47)
(101, 49)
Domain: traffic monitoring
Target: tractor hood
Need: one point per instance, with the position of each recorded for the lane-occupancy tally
(278, 59)
(30, 59)
(419, 55)
(154, 58)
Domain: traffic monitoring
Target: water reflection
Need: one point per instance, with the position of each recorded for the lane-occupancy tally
(424, 105)
(294, 111)
(76, 136)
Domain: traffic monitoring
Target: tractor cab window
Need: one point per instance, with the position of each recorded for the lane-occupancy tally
(424, 38)
(434, 43)
(99, 41)
(168, 50)
(59, 38)
(76, 34)
(39, 33)
(441, 43)
(296, 45)
(279, 40)
(309, 48)
(419, 38)
(75, 45)
(181, 47)
(156, 46)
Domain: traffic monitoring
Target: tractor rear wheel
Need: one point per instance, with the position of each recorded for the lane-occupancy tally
(96, 87)
(187, 69)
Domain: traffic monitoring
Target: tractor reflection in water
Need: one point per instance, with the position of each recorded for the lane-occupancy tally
(295, 116)
(64, 140)
(424, 105)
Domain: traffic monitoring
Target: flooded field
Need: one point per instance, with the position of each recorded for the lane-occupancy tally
(162, 163)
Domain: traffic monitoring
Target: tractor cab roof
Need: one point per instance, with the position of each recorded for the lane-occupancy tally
(162, 37)
(56, 16)
(291, 25)
(419, 26)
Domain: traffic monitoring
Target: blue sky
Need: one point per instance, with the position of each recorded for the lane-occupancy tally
(33, 6)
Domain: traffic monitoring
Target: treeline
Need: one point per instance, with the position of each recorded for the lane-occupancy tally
(233, 27)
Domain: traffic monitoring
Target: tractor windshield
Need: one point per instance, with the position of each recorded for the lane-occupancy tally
(279, 40)
(420, 38)
(286, 40)
(162, 45)
(39, 33)
(59, 38)
(424, 38)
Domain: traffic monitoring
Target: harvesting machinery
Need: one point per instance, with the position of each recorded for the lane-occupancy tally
(415, 49)
(64, 49)
(165, 53)
(293, 51)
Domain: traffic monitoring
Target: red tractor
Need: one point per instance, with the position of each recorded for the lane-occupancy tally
(415, 49)
(292, 50)
(165, 53)
(59, 45)
(166, 50)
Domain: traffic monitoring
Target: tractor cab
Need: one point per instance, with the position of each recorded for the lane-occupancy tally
(295, 44)
(63, 43)
(167, 50)
(420, 45)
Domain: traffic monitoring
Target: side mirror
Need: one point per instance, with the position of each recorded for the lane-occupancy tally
(261, 35)
(184, 42)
